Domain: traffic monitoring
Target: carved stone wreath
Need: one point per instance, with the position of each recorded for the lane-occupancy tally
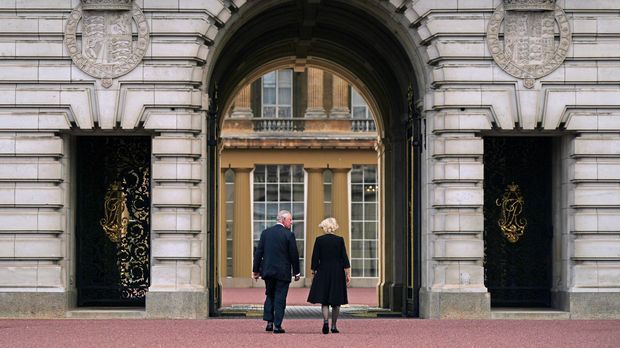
(529, 50)
(108, 49)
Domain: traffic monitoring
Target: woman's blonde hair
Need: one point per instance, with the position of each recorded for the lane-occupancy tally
(329, 225)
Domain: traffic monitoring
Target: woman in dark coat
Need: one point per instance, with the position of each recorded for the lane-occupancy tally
(332, 273)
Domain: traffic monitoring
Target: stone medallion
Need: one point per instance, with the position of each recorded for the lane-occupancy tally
(529, 48)
(107, 48)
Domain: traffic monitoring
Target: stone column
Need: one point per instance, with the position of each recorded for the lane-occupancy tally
(340, 97)
(177, 234)
(315, 107)
(316, 210)
(36, 198)
(243, 108)
(242, 226)
(340, 203)
(454, 241)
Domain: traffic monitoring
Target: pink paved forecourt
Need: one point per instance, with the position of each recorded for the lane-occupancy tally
(306, 333)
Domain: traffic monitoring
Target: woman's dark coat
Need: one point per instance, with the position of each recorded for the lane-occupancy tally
(329, 259)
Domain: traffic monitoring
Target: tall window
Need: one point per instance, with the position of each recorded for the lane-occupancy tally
(229, 187)
(359, 108)
(364, 222)
(278, 94)
(327, 192)
(279, 187)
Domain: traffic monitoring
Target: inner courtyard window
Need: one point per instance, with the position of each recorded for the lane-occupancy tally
(327, 193)
(229, 182)
(359, 108)
(364, 222)
(279, 187)
(277, 94)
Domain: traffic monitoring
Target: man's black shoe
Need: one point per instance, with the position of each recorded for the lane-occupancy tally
(278, 330)
(269, 326)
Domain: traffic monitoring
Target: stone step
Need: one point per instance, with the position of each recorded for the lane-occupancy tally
(297, 312)
(528, 314)
(106, 313)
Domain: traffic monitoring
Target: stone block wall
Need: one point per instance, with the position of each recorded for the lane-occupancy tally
(46, 100)
(470, 96)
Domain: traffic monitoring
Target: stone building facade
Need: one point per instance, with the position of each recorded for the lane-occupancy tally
(458, 89)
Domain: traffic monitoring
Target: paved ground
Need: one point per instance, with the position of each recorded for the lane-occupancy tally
(296, 296)
(306, 333)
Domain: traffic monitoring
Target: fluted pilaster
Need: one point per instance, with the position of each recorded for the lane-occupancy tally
(340, 97)
(315, 93)
(243, 107)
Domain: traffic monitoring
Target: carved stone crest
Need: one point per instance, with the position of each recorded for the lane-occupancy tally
(530, 48)
(107, 48)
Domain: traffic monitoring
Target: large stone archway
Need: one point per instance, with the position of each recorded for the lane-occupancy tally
(366, 45)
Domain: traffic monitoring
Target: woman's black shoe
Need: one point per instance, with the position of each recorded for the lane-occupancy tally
(325, 329)
(334, 330)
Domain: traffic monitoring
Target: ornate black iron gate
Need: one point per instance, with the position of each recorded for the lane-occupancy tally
(415, 143)
(517, 221)
(113, 220)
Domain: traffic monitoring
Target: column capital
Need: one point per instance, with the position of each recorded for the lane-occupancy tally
(340, 170)
(315, 170)
(242, 169)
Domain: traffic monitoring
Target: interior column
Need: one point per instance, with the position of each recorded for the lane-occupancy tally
(242, 227)
(316, 211)
(340, 203)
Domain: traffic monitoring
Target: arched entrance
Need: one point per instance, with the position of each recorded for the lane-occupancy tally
(364, 44)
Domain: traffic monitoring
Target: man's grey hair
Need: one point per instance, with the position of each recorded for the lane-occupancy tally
(282, 214)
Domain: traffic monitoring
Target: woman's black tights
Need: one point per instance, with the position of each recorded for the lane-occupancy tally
(335, 313)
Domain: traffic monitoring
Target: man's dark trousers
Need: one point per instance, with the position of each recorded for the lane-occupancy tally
(275, 300)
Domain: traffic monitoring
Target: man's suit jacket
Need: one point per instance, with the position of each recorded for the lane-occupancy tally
(276, 254)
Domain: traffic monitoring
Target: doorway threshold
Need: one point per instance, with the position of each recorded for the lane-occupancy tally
(106, 313)
(529, 314)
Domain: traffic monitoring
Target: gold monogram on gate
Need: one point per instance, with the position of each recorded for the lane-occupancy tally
(116, 218)
(510, 223)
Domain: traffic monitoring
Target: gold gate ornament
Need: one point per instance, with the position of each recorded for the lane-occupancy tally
(116, 218)
(511, 202)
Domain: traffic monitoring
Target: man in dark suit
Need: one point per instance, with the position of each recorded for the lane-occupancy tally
(273, 258)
